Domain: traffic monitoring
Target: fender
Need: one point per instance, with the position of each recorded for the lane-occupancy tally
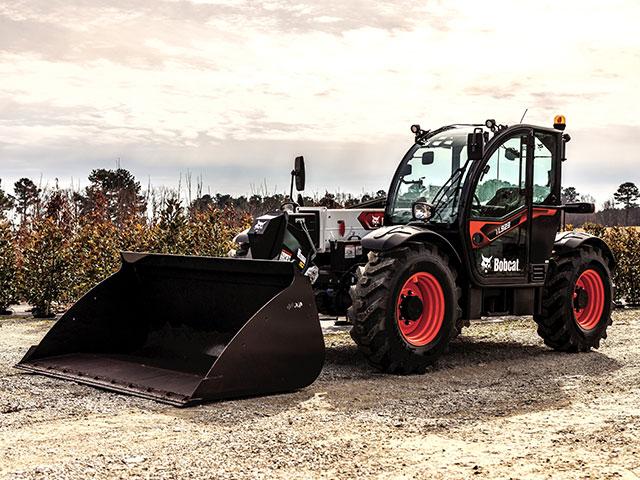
(386, 238)
(567, 241)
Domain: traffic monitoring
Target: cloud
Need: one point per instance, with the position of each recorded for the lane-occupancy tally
(600, 159)
(234, 87)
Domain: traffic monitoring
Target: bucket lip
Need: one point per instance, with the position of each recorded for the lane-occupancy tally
(169, 398)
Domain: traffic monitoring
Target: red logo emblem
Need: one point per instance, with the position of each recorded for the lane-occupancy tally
(371, 220)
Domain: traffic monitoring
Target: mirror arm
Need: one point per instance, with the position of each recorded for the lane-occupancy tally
(293, 176)
(577, 207)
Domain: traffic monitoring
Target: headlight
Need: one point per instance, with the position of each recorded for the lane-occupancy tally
(421, 211)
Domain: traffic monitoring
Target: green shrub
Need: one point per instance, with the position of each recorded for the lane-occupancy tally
(8, 268)
(625, 244)
(210, 232)
(594, 229)
(137, 236)
(95, 255)
(47, 273)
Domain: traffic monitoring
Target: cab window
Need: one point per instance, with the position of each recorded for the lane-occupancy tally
(543, 171)
(501, 188)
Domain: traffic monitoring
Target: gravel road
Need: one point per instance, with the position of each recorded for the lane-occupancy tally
(499, 405)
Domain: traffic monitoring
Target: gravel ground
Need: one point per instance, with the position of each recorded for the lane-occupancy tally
(499, 405)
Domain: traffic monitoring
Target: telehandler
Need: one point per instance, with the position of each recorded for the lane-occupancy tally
(471, 227)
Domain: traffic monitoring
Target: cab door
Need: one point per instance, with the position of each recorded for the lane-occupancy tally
(514, 211)
(498, 227)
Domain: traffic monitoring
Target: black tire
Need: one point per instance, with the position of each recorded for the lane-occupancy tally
(460, 324)
(373, 312)
(557, 323)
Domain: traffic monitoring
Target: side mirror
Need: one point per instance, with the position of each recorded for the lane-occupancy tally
(579, 207)
(475, 145)
(421, 211)
(299, 173)
(427, 158)
(511, 153)
(406, 170)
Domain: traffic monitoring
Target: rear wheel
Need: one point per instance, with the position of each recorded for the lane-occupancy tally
(576, 303)
(405, 308)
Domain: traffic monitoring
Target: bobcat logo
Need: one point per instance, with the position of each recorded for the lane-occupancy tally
(259, 226)
(490, 264)
(295, 305)
(486, 263)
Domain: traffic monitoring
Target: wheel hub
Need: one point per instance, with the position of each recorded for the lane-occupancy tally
(580, 299)
(410, 307)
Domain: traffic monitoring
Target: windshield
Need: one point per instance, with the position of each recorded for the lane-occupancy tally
(431, 172)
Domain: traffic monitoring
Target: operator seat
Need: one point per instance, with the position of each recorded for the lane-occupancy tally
(506, 199)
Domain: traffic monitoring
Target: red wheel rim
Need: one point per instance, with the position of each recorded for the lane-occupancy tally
(588, 299)
(422, 330)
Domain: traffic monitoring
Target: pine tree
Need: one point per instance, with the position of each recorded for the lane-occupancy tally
(7, 202)
(628, 195)
(27, 198)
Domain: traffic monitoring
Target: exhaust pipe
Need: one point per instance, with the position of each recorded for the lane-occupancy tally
(184, 330)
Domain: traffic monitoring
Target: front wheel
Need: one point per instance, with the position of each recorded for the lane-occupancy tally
(405, 308)
(576, 301)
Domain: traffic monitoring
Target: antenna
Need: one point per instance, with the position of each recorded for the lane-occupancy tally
(524, 114)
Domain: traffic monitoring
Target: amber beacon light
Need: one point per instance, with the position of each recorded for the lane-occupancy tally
(559, 122)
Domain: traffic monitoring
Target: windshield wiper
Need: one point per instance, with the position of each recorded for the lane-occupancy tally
(438, 200)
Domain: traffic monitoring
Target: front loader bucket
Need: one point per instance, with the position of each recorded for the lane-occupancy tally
(183, 330)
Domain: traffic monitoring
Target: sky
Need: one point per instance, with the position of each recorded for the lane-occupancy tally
(231, 91)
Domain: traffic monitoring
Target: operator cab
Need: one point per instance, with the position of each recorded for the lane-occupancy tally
(491, 191)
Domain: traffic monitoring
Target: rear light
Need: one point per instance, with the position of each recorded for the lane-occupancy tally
(371, 220)
(342, 228)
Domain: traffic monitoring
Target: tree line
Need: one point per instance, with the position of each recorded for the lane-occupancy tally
(56, 243)
(622, 209)
(118, 195)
